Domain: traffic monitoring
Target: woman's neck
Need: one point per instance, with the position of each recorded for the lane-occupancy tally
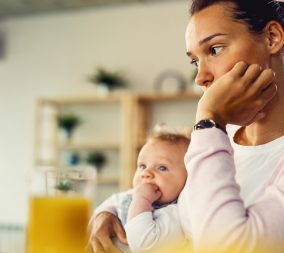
(267, 129)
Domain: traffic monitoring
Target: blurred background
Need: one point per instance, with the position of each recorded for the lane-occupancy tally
(49, 49)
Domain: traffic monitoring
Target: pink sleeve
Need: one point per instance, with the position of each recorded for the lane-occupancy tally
(211, 202)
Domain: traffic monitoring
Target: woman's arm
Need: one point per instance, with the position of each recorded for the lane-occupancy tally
(212, 203)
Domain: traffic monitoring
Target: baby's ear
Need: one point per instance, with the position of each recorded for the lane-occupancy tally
(274, 34)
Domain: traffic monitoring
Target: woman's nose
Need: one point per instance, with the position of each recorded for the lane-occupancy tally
(204, 77)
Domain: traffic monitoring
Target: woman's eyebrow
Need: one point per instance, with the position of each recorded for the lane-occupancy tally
(206, 39)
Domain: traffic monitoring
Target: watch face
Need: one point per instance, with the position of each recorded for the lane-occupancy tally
(208, 124)
(204, 124)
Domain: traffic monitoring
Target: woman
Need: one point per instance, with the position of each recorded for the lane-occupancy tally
(234, 198)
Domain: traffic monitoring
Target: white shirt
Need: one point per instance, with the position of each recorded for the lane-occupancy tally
(253, 167)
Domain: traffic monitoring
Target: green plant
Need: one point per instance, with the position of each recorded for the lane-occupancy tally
(68, 122)
(110, 79)
(96, 159)
(64, 185)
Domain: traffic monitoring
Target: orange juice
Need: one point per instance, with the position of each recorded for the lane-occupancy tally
(58, 224)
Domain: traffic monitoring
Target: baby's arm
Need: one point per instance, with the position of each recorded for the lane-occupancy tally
(147, 229)
(142, 199)
(158, 231)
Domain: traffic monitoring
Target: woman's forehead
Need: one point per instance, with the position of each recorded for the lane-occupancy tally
(212, 20)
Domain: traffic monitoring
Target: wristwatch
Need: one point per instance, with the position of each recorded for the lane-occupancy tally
(208, 123)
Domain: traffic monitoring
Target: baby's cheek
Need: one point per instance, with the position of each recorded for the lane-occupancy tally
(136, 181)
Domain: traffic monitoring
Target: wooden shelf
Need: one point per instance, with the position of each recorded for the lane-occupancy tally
(44, 163)
(167, 97)
(89, 145)
(107, 180)
(133, 124)
(86, 99)
(119, 96)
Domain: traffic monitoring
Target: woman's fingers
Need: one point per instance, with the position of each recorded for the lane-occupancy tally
(238, 96)
(104, 245)
(104, 227)
(252, 74)
(264, 80)
(262, 100)
(239, 69)
(96, 246)
(108, 245)
(120, 233)
(268, 93)
(260, 115)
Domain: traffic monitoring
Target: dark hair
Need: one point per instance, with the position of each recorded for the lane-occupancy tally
(255, 13)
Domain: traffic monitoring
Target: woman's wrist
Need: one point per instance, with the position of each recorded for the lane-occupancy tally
(211, 116)
(208, 123)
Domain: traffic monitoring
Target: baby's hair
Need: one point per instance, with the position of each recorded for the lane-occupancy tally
(162, 133)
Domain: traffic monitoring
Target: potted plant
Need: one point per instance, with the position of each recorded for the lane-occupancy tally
(68, 122)
(96, 159)
(109, 80)
(64, 185)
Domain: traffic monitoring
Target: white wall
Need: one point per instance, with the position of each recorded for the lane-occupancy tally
(52, 55)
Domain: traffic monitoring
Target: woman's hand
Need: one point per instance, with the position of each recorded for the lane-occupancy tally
(239, 96)
(104, 227)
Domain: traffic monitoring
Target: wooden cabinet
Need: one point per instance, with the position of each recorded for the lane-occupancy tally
(117, 125)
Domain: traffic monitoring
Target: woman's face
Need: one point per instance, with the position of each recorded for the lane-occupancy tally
(215, 43)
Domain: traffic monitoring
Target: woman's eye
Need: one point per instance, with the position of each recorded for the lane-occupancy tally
(215, 50)
(163, 168)
(194, 62)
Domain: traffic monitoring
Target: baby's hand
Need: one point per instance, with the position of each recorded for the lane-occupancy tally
(143, 197)
(146, 192)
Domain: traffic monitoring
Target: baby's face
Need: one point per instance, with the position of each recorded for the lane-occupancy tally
(162, 163)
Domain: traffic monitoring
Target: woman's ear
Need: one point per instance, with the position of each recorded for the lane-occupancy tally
(274, 34)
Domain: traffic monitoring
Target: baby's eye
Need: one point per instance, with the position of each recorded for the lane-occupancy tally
(142, 166)
(216, 49)
(195, 62)
(163, 168)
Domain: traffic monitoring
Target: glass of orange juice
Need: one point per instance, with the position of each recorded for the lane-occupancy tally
(60, 204)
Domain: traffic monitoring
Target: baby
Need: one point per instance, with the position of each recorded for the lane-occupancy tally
(149, 211)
